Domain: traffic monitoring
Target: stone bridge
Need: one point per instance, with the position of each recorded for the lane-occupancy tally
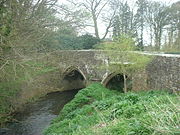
(82, 67)
(77, 69)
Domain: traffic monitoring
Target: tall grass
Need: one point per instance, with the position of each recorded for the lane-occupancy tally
(165, 116)
(96, 110)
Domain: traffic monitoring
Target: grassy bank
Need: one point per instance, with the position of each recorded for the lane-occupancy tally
(13, 75)
(96, 110)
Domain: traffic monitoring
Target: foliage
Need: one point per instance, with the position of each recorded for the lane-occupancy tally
(171, 48)
(84, 97)
(68, 40)
(28, 27)
(97, 110)
(140, 21)
(77, 43)
(88, 41)
(120, 43)
(64, 38)
(22, 26)
(121, 24)
(125, 62)
(159, 19)
(8, 91)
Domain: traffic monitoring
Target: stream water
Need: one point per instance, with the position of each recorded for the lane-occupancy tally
(35, 117)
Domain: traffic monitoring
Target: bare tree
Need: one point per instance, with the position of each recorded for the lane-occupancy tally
(124, 21)
(26, 22)
(97, 9)
(157, 18)
(174, 26)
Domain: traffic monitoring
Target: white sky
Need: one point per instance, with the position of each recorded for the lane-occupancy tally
(102, 27)
(166, 1)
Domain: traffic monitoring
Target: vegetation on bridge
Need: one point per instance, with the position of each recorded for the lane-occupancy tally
(96, 110)
(126, 62)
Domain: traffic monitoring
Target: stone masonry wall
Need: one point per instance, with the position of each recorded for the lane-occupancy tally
(164, 73)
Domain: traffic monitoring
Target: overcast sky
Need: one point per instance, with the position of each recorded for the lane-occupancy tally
(102, 28)
(167, 1)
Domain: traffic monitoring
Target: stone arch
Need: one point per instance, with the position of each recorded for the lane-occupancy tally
(73, 78)
(71, 69)
(114, 81)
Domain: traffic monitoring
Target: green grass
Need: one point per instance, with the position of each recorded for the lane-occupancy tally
(96, 110)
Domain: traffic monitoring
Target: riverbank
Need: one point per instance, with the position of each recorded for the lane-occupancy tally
(17, 82)
(34, 117)
(96, 110)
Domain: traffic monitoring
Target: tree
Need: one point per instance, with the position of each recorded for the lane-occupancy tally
(157, 18)
(26, 22)
(73, 14)
(5, 20)
(124, 21)
(173, 28)
(124, 61)
(65, 37)
(96, 10)
(176, 16)
(88, 41)
(72, 42)
(140, 21)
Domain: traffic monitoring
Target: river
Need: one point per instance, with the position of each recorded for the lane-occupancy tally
(36, 116)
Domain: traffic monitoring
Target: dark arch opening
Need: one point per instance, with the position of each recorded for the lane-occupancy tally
(74, 79)
(74, 75)
(115, 81)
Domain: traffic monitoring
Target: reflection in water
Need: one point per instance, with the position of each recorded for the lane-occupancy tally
(37, 116)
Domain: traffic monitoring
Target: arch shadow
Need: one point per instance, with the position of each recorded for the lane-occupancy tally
(115, 81)
(73, 78)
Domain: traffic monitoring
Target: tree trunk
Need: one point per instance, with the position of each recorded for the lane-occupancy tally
(156, 41)
(160, 36)
(125, 83)
(142, 32)
(95, 25)
(151, 36)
